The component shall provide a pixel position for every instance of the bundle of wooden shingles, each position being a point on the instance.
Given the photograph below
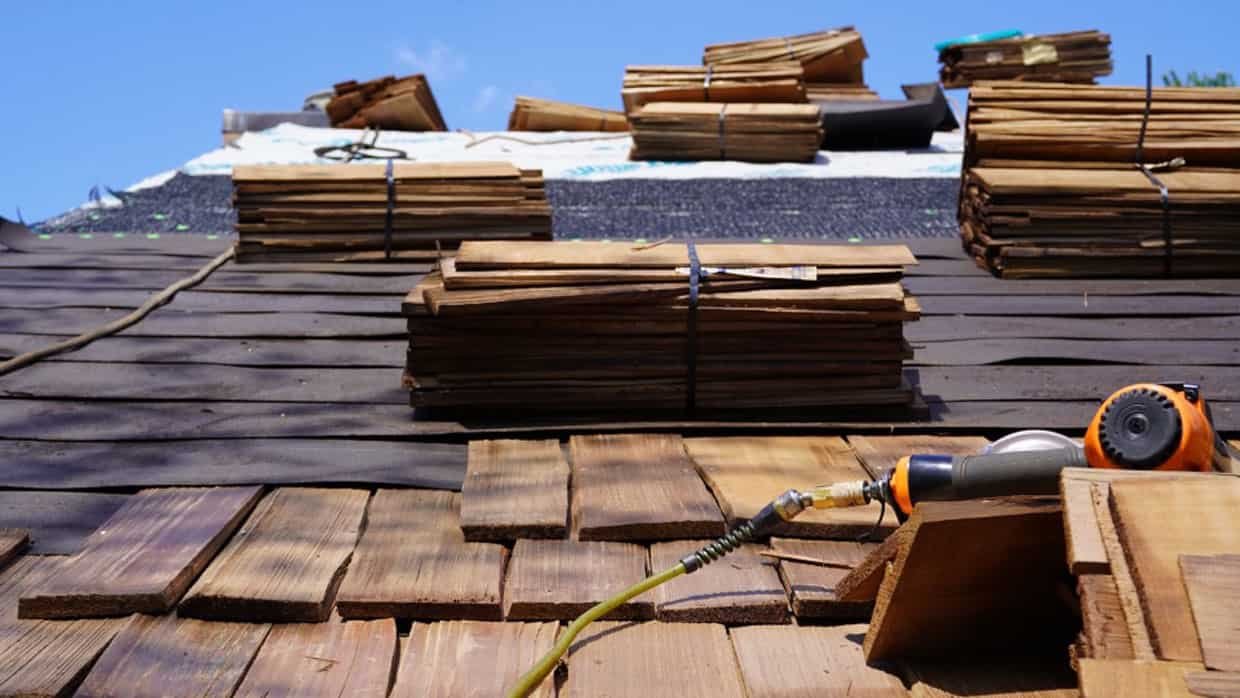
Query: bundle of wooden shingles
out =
(402, 104)
(353, 212)
(608, 326)
(1071, 57)
(747, 102)
(1051, 186)
(533, 114)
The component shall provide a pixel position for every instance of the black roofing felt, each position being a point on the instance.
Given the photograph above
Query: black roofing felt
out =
(868, 208)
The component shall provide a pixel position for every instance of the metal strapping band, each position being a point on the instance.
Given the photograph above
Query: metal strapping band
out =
(710, 71)
(391, 209)
(723, 147)
(695, 274)
(1139, 163)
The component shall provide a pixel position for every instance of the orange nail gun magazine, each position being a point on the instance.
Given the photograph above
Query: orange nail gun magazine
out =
(1147, 426)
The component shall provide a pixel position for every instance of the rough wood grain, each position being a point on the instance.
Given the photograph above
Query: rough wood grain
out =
(560, 579)
(813, 587)
(862, 582)
(1001, 677)
(747, 472)
(143, 558)
(639, 660)
(1213, 684)
(286, 561)
(1159, 520)
(155, 655)
(44, 657)
(12, 542)
(1015, 579)
(878, 454)
(514, 489)
(1104, 625)
(1086, 552)
(471, 659)
(809, 662)
(332, 660)
(741, 589)
(1105, 678)
(416, 535)
(1213, 586)
(639, 487)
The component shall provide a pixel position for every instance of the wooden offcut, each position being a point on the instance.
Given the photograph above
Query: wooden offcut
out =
(1159, 520)
(471, 659)
(561, 579)
(1014, 576)
(1087, 554)
(1104, 625)
(639, 487)
(862, 581)
(143, 558)
(813, 586)
(416, 535)
(334, 659)
(742, 589)
(809, 662)
(514, 489)
(534, 114)
(639, 660)
(1104, 678)
(402, 104)
(156, 656)
(746, 472)
(285, 562)
(1213, 586)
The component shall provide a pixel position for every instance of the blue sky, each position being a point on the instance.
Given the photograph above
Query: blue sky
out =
(110, 92)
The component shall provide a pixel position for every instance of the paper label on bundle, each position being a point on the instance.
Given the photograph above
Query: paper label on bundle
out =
(799, 273)
(993, 57)
(1039, 53)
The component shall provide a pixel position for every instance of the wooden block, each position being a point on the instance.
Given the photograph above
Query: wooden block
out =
(416, 535)
(351, 658)
(639, 660)
(12, 542)
(471, 659)
(561, 579)
(143, 558)
(1159, 520)
(878, 454)
(1104, 626)
(1109, 678)
(1086, 552)
(44, 657)
(812, 586)
(286, 561)
(809, 662)
(1213, 684)
(639, 487)
(515, 489)
(747, 472)
(1005, 677)
(741, 589)
(1125, 587)
(1008, 554)
(161, 655)
(862, 582)
(1213, 586)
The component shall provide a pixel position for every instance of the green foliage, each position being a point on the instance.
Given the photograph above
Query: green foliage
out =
(1195, 79)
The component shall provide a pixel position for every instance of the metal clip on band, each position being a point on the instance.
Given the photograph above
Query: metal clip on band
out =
(1139, 163)
(723, 145)
(695, 278)
(391, 210)
(710, 70)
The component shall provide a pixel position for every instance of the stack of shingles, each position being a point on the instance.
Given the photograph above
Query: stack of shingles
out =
(745, 132)
(533, 114)
(831, 60)
(341, 212)
(1072, 57)
(608, 327)
(780, 81)
(401, 104)
(1050, 187)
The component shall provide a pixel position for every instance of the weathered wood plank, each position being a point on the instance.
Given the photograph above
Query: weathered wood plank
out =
(980, 286)
(805, 662)
(561, 579)
(514, 489)
(1213, 586)
(944, 328)
(973, 352)
(1000, 304)
(880, 453)
(747, 472)
(471, 659)
(275, 353)
(639, 660)
(13, 541)
(1121, 572)
(44, 657)
(205, 301)
(416, 535)
(168, 262)
(1016, 677)
(143, 558)
(333, 660)
(1104, 625)
(225, 280)
(58, 522)
(89, 465)
(639, 487)
(863, 580)
(1159, 520)
(1106, 678)
(153, 653)
(1060, 382)
(742, 589)
(812, 586)
(171, 322)
(286, 562)
(1086, 552)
